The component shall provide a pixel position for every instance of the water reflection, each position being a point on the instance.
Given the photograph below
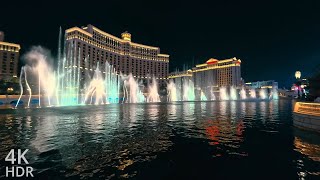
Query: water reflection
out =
(189, 113)
(119, 141)
(46, 128)
(308, 144)
(172, 112)
(152, 112)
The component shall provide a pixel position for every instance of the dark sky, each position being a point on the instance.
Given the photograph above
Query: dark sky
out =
(273, 39)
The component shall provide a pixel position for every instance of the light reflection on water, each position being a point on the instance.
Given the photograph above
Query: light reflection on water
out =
(164, 140)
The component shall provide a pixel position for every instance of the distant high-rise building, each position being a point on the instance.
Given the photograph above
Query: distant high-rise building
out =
(9, 57)
(94, 46)
(221, 73)
(270, 84)
(210, 76)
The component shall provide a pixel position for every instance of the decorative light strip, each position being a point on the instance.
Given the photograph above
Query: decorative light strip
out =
(219, 62)
(115, 51)
(180, 75)
(123, 41)
(215, 67)
(10, 44)
(226, 60)
(79, 30)
(266, 87)
(201, 65)
(110, 36)
(163, 55)
(204, 69)
(307, 108)
(107, 34)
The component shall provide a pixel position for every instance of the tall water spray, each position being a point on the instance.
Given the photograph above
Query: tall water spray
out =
(212, 96)
(253, 94)
(153, 95)
(96, 92)
(275, 94)
(188, 90)
(171, 91)
(263, 93)
(203, 96)
(70, 83)
(38, 68)
(112, 84)
(243, 94)
(233, 93)
(132, 92)
(223, 93)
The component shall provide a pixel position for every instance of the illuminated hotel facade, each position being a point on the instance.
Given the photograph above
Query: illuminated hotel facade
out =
(9, 57)
(270, 84)
(207, 78)
(93, 46)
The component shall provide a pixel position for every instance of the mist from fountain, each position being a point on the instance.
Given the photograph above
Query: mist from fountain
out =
(213, 97)
(63, 88)
(263, 93)
(37, 66)
(223, 93)
(71, 83)
(153, 95)
(275, 94)
(132, 91)
(112, 84)
(96, 89)
(188, 90)
(68, 77)
(203, 97)
(233, 93)
(171, 91)
(243, 94)
(252, 93)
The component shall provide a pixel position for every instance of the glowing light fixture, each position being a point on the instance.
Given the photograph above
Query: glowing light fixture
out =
(298, 74)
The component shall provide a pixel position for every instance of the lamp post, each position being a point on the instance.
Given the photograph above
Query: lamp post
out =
(297, 75)
(298, 82)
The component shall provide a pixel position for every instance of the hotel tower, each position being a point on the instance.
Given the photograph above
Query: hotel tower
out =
(210, 76)
(94, 46)
(9, 57)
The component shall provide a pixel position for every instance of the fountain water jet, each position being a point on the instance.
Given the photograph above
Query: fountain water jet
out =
(132, 91)
(243, 94)
(188, 90)
(233, 93)
(172, 91)
(263, 94)
(153, 95)
(223, 93)
(253, 93)
(96, 88)
(213, 97)
(275, 93)
(64, 88)
(203, 96)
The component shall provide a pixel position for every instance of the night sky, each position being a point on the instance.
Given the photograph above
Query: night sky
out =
(273, 39)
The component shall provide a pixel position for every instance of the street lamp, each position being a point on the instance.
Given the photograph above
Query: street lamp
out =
(298, 74)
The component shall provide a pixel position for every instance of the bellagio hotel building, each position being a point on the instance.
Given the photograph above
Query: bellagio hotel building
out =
(95, 45)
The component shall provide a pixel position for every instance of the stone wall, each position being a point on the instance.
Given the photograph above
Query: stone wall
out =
(306, 121)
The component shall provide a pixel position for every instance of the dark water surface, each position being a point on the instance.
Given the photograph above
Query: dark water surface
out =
(191, 140)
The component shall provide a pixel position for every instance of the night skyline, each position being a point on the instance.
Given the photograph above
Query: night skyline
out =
(273, 40)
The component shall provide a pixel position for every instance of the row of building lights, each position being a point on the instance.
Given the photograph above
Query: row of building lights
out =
(114, 73)
(116, 51)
